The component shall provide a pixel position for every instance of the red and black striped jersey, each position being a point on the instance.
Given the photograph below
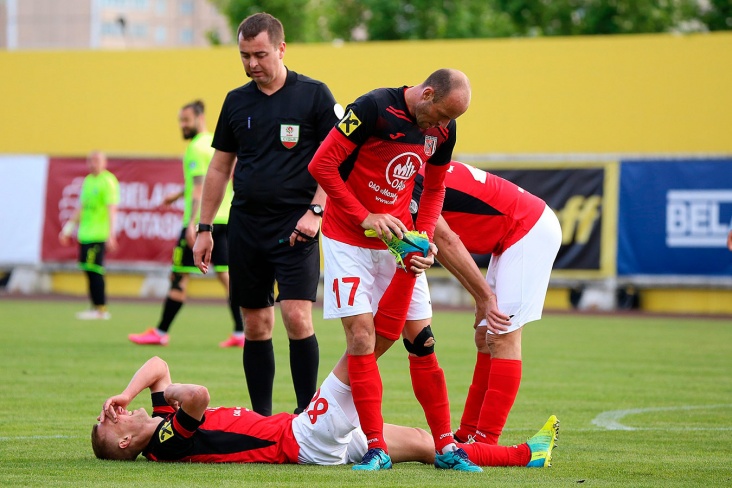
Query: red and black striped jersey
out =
(224, 435)
(488, 212)
(368, 163)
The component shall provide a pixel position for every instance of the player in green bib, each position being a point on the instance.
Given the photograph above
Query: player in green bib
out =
(95, 216)
(195, 164)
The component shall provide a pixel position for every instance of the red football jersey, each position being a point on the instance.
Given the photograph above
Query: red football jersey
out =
(224, 435)
(369, 161)
(488, 212)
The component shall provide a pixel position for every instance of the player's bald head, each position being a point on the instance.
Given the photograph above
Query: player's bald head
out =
(445, 82)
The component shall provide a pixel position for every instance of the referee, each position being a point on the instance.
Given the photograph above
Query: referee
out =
(267, 132)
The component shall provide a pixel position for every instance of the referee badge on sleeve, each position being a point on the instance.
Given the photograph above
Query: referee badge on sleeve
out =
(289, 135)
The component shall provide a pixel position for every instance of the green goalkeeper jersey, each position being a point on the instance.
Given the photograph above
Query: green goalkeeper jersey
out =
(195, 163)
(98, 192)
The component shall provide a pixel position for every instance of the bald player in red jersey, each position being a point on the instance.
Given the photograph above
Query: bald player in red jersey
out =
(483, 213)
(367, 166)
(184, 428)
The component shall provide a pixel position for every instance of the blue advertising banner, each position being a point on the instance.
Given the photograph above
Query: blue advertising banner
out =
(674, 217)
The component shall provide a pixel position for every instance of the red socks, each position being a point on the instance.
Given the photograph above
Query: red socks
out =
(367, 391)
(394, 305)
(488, 455)
(476, 394)
(503, 384)
(428, 382)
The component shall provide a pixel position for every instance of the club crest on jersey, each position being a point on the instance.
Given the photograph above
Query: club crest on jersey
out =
(349, 123)
(413, 207)
(430, 144)
(166, 431)
(401, 169)
(289, 135)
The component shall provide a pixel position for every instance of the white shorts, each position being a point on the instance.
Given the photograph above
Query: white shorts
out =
(328, 430)
(520, 276)
(356, 278)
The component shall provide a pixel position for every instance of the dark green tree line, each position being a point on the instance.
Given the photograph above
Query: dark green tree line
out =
(326, 20)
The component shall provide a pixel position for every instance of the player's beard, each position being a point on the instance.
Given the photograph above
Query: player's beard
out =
(189, 134)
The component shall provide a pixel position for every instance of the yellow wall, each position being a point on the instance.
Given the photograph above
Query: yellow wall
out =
(645, 94)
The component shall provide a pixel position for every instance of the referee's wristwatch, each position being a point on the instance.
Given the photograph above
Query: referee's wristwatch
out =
(204, 228)
(316, 209)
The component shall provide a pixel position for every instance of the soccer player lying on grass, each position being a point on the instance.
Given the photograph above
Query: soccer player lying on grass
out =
(184, 428)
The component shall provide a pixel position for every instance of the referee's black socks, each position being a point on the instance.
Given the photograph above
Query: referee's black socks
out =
(259, 370)
(304, 361)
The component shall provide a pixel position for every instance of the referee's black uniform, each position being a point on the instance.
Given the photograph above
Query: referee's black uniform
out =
(274, 137)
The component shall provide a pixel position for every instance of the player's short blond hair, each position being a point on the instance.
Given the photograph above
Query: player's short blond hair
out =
(105, 447)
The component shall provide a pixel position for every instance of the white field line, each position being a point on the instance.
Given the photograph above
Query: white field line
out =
(37, 437)
(611, 420)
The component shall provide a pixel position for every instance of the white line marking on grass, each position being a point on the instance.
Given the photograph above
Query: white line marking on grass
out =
(38, 437)
(610, 420)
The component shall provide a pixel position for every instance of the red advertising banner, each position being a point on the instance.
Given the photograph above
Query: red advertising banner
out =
(146, 230)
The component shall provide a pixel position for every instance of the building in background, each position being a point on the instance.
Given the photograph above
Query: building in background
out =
(110, 24)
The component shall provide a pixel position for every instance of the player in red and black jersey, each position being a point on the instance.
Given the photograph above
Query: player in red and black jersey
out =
(184, 428)
(367, 166)
(482, 214)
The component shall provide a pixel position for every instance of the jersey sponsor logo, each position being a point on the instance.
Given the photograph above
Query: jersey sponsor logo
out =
(391, 195)
(430, 144)
(402, 168)
(396, 136)
(166, 431)
(289, 135)
(349, 123)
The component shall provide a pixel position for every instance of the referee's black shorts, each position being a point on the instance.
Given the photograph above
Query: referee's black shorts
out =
(257, 259)
(183, 255)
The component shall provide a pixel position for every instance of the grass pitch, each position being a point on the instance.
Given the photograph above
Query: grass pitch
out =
(643, 401)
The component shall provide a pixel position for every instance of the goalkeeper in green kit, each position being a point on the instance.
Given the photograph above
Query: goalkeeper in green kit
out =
(95, 218)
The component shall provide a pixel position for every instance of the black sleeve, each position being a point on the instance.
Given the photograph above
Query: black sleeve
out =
(175, 438)
(360, 119)
(325, 109)
(187, 422)
(416, 196)
(224, 138)
(158, 399)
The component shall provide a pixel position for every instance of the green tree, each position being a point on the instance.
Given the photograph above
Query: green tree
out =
(418, 19)
(325, 20)
(294, 15)
(717, 15)
(588, 17)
